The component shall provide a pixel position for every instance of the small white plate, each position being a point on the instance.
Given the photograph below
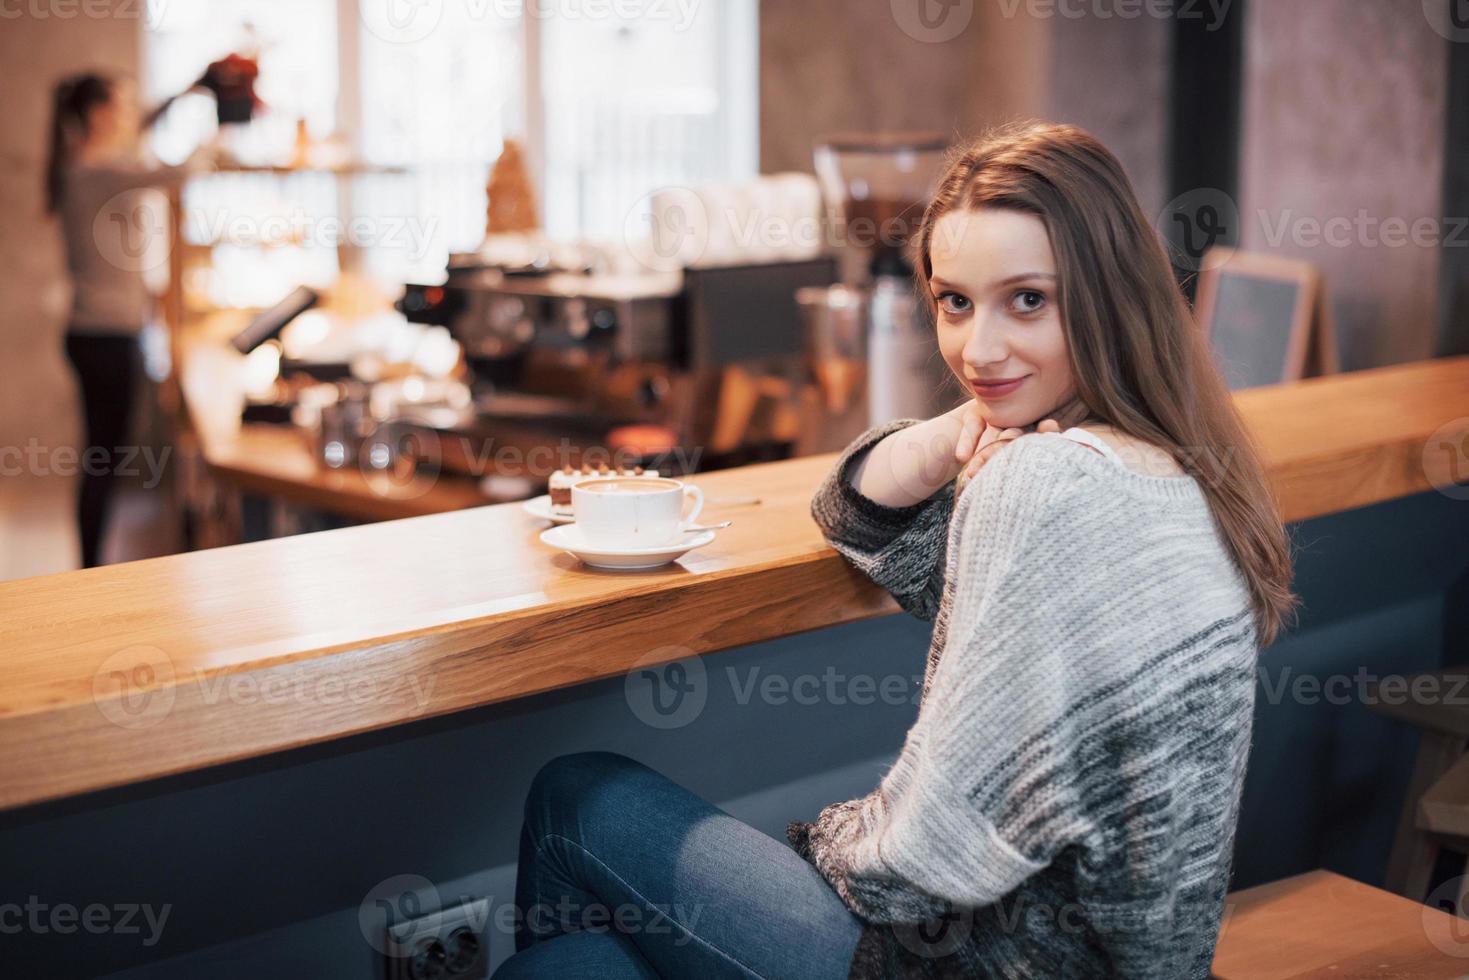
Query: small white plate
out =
(568, 537)
(541, 507)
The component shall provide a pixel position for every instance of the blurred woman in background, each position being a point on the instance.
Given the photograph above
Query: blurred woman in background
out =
(92, 177)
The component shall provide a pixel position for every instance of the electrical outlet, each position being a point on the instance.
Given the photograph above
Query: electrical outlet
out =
(450, 944)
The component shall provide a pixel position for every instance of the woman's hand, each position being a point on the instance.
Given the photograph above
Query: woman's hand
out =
(989, 442)
(979, 441)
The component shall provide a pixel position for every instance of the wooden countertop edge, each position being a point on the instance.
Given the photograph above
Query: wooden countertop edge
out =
(861, 592)
(235, 715)
(1315, 486)
(355, 498)
(365, 507)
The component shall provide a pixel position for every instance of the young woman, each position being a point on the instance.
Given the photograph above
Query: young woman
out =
(93, 169)
(1093, 539)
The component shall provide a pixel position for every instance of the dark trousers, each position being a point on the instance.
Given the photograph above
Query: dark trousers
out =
(106, 368)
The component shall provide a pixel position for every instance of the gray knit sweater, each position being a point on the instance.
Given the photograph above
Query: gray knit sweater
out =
(1065, 804)
(113, 236)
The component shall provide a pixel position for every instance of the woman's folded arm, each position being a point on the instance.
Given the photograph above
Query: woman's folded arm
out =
(901, 548)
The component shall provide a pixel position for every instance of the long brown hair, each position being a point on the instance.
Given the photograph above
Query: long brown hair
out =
(72, 105)
(1140, 361)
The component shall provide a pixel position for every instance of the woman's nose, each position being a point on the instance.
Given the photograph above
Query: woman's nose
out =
(985, 345)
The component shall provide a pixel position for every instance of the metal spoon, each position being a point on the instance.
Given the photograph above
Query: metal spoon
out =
(708, 527)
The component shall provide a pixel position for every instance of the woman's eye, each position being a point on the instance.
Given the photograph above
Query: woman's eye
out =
(953, 303)
(1027, 301)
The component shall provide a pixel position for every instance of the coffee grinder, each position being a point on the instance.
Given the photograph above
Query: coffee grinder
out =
(875, 187)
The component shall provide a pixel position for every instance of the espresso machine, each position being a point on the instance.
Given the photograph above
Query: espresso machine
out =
(687, 370)
(873, 354)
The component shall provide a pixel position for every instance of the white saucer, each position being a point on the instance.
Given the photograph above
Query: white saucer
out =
(541, 507)
(568, 537)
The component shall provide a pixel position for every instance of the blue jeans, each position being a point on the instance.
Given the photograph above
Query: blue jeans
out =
(624, 873)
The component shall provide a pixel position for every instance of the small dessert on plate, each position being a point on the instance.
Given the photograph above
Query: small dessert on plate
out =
(561, 482)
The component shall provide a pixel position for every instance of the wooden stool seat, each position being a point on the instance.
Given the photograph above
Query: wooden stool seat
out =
(1444, 808)
(1323, 925)
(1437, 703)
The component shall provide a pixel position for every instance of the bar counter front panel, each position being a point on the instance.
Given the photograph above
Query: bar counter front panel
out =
(348, 707)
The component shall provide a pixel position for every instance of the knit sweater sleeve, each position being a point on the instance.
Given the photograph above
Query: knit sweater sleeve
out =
(977, 801)
(901, 549)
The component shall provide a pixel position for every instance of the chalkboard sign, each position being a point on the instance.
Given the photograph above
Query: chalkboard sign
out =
(1266, 318)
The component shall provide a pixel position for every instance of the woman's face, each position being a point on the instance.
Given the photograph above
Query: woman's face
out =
(994, 282)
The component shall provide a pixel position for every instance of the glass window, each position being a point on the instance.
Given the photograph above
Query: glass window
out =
(439, 105)
(611, 101)
(295, 42)
(637, 103)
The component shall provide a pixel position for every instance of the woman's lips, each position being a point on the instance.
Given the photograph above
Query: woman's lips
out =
(996, 390)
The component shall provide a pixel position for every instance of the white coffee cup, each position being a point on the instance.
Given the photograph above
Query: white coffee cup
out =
(633, 512)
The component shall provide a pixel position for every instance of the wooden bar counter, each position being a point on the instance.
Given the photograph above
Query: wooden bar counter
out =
(126, 673)
(273, 461)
